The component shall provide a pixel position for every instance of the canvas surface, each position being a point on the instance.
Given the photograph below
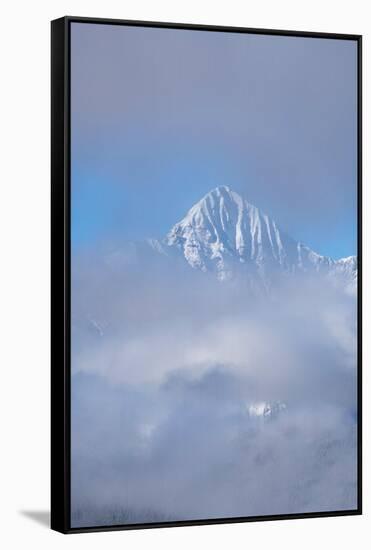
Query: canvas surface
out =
(214, 275)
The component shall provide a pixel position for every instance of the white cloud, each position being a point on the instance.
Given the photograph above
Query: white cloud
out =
(162, 393)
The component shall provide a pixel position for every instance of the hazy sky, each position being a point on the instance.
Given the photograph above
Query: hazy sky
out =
(161, 116)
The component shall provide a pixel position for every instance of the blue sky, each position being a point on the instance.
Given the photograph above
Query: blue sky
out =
(161, 116)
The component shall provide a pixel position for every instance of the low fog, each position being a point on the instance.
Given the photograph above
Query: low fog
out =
(168, 367)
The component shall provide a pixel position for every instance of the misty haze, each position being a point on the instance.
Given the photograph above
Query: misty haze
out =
(214, 373)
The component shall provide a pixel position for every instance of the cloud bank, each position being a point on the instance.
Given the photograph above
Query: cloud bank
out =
(167, 369)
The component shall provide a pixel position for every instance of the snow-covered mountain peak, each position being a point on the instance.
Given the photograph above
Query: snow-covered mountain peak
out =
(217, 203)
(221, 195)
(224, 233)
(224, 228)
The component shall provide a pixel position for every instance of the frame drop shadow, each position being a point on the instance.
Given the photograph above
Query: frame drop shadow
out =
(42, 517)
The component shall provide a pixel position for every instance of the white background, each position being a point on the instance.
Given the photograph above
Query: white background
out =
(24, 273)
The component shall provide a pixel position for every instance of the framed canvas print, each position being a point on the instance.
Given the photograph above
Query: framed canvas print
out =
(206, 274)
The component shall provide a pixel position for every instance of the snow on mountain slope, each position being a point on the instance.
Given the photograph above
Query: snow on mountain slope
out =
(222, 228)
(345, 272)
(265, 410)
(224, 233)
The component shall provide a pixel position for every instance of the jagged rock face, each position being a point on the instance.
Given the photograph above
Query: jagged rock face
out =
(223, 229)
(224, 233)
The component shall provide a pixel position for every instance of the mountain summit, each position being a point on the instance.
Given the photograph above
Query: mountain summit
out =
(224, 233)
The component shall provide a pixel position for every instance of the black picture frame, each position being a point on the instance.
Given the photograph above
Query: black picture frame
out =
(60, 271)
